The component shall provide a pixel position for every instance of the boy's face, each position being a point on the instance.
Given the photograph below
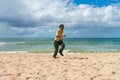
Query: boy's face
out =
(62, 27)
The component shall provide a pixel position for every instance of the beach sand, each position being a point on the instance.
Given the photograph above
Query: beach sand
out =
(37, 66)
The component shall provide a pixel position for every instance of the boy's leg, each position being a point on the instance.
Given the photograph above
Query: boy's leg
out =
(56, 46)
(62, 47)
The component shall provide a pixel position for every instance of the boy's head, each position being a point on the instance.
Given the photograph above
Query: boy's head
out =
(61, 26)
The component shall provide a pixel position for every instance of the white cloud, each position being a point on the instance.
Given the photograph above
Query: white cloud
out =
(39, 12)
(51, 30)
(75, 32)
(29, 15)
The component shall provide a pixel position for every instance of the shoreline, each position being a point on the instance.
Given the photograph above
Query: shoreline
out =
(65, 52)
(12, 52)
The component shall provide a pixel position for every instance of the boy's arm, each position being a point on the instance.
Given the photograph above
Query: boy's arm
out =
(60, 36)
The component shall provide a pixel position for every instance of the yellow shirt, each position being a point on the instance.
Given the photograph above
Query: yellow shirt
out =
(59, 33)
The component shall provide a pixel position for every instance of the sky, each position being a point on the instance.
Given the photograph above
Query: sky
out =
(41, 18)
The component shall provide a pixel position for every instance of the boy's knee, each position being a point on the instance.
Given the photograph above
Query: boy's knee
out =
(63, 45)
(56, 50)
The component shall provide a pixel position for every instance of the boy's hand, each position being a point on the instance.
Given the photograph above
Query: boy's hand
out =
(64, 35)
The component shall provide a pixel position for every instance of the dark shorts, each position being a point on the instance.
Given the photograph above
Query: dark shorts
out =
(58, 42)
(56, 45)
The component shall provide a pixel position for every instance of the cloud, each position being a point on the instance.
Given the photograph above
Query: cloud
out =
(28, 17)
(29, 13)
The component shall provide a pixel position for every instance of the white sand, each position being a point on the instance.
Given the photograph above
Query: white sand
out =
(32, 66)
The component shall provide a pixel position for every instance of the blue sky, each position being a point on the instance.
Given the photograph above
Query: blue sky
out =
(82, 18)
(99, 3)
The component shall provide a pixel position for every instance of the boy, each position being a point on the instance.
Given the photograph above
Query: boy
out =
(58, 41)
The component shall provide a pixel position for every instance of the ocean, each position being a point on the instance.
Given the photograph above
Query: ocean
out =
(46, 45)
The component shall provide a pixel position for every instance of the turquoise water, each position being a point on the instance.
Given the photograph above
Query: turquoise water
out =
(72, 44)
